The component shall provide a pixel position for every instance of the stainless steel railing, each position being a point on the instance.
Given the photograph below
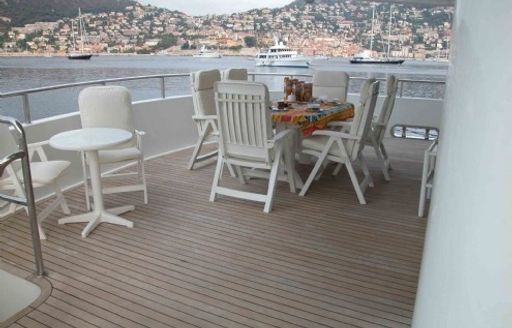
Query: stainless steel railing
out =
(16, 129)
(24, 94)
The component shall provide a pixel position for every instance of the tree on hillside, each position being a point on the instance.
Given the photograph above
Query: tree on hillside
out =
(250, 41)
(168, 40)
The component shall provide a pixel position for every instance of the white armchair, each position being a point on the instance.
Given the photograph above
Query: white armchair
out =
(247, 141)
(427, 177)
(330, 84)
(45, 173)
(345, 148)
(379, 126)
(111, 107)
(205, 116)
(237, 74)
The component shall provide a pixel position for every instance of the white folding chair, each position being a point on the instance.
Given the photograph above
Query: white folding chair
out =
(427, 176)
(111, 107)
(247, 141)
(330, 84)
(45, 173)
(379, 126)
(237, 74)
(205, 116)
(345, 148)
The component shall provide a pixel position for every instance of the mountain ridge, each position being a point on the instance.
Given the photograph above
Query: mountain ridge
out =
(21, 12)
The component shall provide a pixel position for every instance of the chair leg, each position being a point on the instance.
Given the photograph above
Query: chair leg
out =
(272, 182)
(290, 170)
(144, 182)
(216, 178)
(386, 157)
(196, 151)
(337, 169)
(240, 174)
(63, 203)
(322, 170)
(355, 183)
(367, 176)
(313, 173)
(231, 170)
(381, 159)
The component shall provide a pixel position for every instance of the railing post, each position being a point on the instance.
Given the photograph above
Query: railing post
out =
(26, 109)
(401, 89)
(162, 87)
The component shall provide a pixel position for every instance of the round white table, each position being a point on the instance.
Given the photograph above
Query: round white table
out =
(90, 141)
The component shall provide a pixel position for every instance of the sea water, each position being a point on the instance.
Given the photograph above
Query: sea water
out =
(20, 73)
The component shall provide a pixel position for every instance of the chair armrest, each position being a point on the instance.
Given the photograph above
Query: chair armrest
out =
(339, 124)
(281, 136)
(6, 161)
(335, 134)
(37, 144)
(204, 118)
(379, 124)
(138, 136)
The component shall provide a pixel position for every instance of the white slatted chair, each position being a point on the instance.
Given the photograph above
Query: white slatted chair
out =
(235, 74)
(247, 141)
(427, 177)
(111, 107)
(330, 84)
(379, 126)
(205, 115)
(345, 148)
(45, 173)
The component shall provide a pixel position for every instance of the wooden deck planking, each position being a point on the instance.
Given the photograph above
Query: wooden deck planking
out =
(317, 261)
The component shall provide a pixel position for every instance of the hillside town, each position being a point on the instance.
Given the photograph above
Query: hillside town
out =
(325, 28)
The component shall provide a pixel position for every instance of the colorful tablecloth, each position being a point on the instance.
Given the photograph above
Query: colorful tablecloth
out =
(308, 121)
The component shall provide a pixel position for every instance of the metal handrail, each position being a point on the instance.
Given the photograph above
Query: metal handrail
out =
(26, 103)
(28, 200)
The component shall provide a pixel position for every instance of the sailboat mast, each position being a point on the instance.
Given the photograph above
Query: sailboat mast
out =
(373, 21)
(81, 27)
(389, 28)
(73, 34)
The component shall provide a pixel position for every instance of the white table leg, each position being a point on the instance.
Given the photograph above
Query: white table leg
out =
(99, 213)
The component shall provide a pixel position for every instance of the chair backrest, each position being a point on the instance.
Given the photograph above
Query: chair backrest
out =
(387, 108)
(202, 91)
(362, 122)
(107, 107)
(330, 84)
(238, 74)
(245, 122)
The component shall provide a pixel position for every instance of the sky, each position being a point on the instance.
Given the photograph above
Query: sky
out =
(202, 7)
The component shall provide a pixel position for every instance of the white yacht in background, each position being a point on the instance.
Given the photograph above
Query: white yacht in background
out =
(280, 55)
(207, 53)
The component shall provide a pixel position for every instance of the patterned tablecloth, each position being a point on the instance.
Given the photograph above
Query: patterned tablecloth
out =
(308, 120)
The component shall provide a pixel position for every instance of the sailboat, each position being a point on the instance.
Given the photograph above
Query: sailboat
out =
(81, 32)
(366, 57)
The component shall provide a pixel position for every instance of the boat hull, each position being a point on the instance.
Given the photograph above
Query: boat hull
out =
(376, 61)
(80, 57)
(284, 63)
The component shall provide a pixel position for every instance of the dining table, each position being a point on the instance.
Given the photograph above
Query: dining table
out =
(307, 117)
(91, 141)
(303, 118)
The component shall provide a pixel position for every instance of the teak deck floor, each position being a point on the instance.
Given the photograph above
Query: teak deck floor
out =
(317, 261)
